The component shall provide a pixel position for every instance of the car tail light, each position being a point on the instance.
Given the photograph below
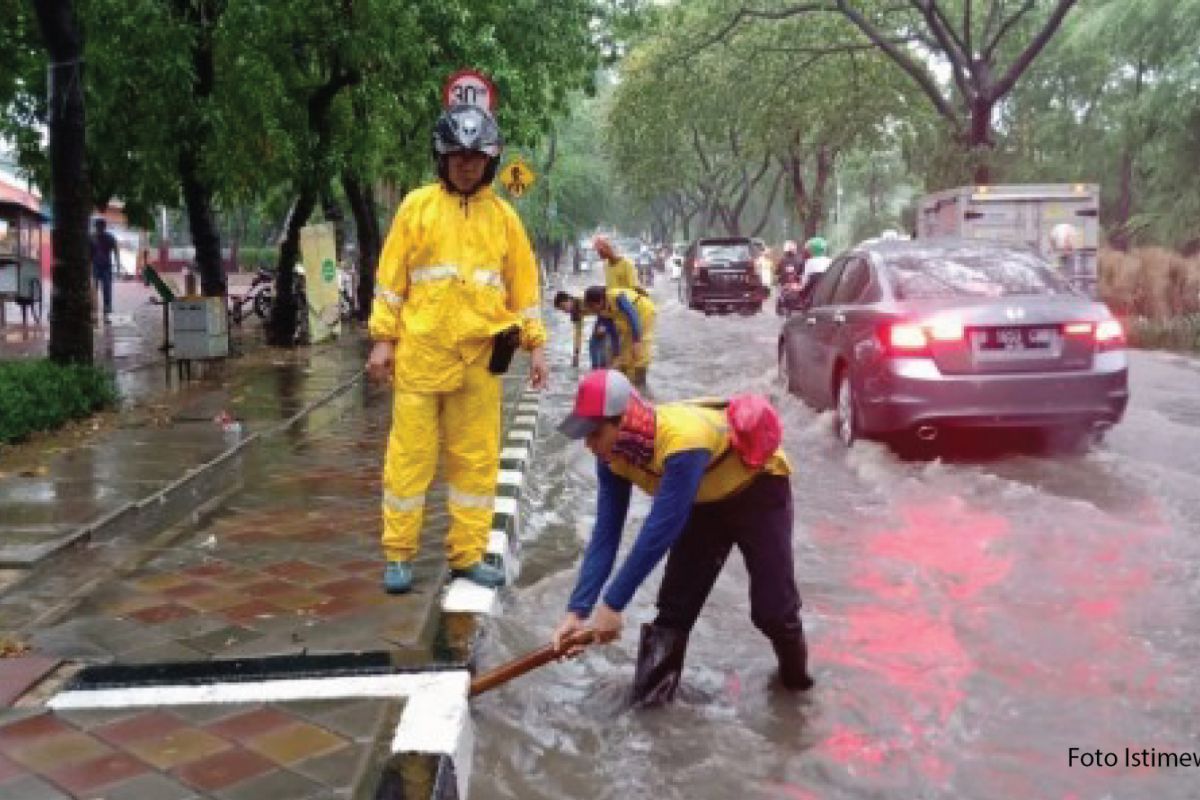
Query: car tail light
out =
(913, 338)
(1110, 335)
(906, 337)
(1078, 329)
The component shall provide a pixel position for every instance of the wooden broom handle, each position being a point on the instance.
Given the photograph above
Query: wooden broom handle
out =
(528, 662)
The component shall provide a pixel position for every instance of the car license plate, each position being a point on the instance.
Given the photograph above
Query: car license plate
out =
(1013, 340)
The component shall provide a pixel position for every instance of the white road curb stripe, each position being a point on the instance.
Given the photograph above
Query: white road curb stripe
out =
(515, 453)
(272, 691)
(506, 505)
(464, 596)
(521, 435)
(510, 477)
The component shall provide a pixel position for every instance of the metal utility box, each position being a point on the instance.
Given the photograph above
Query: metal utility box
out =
(198, 328)
(1059, 221)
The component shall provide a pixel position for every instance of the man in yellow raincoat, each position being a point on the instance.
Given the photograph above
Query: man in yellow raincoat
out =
(457, 293)
(618, 271)
(632, 313)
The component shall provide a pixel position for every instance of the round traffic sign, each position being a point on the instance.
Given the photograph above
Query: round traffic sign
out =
(470, 87)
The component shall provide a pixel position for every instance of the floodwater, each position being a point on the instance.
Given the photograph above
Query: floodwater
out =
(971, 619)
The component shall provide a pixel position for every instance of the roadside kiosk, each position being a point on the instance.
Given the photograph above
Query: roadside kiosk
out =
(20, 260)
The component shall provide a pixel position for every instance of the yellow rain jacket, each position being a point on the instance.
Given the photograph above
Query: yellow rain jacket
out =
(620, 274)
(682, 426)
(453, 273)
(646, 312)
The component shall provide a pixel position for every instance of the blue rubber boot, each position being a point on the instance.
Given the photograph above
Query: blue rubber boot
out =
(482, 574)
(397, 577)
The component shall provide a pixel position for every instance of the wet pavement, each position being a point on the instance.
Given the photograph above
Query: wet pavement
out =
(311, 749)
(972, 618)
(272, 559)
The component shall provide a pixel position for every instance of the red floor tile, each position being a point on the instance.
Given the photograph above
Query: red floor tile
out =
(32, 728)
(187, 590)
(223, 769)
(248, 612)
(20, 673)
(250, 723)
(144, 726)
(268, 587)
(163, 613)
(207, 570)
(86, 778)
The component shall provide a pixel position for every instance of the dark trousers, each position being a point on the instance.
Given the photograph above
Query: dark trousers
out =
(759, 521)
(104, 280)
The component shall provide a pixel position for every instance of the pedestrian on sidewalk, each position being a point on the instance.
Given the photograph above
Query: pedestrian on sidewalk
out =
(457, 294)
(599, 347)
(105, 257)
(632, 313)
(713, 486)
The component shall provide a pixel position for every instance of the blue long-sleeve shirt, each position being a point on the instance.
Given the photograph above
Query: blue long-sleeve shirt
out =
(635, 323)
(672, 504)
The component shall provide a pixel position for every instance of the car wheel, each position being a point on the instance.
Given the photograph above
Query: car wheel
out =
(845, 414)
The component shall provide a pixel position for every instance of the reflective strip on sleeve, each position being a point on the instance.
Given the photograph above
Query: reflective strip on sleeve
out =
(460, 498)
(437, 272)
(389, 297)
(394, 503)
(533, 312)
(489, 278)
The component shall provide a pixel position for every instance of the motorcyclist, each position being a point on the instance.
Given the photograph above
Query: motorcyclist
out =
(457, 293)
(816, 264)
(790, 268)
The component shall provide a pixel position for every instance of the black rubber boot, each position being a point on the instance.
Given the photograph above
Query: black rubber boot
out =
(792, 653)
(659, 665)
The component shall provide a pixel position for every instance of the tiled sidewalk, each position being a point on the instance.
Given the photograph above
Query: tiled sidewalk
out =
(311, 749)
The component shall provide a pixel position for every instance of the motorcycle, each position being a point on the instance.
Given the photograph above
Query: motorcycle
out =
(791, 295)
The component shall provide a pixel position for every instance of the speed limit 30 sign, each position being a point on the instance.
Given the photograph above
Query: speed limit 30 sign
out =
(472, 88)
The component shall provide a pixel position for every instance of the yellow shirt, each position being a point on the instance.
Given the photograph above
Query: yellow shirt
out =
(682, 426)
(620, 274)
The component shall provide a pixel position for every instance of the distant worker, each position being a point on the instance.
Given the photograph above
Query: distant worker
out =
(599, 347)
(633, 313)
(618, 270)
(718, 478)
(457, 295)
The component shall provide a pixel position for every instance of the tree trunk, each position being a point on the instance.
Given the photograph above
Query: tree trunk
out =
(197, 197)
(979, 143)
(816, 217)
(196, 133)
(70, 301)
(281, 328)
(361, 198)
(1120, 238)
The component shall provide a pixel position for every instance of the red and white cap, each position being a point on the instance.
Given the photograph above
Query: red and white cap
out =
(602, 394)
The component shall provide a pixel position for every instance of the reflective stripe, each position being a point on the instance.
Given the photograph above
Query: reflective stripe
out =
(533, 312)
(434, 273)
(388, 296)
(471, 500)
(394, 503)
(489, 278)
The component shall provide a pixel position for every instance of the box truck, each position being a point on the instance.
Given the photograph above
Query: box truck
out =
(1058, 221)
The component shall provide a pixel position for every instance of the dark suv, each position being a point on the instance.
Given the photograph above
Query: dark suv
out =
(719, 275)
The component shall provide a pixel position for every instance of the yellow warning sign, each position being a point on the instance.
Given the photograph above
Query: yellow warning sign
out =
(517, 177)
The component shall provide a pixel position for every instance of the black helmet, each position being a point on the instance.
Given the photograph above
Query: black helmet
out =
(461, 129)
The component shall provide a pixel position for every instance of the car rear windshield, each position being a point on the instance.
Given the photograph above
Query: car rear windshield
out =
(932, 275)
(726, 251)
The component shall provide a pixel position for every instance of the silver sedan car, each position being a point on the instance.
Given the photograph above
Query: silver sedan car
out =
(915, 337)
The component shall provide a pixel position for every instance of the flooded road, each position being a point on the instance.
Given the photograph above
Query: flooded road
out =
(970, 619)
